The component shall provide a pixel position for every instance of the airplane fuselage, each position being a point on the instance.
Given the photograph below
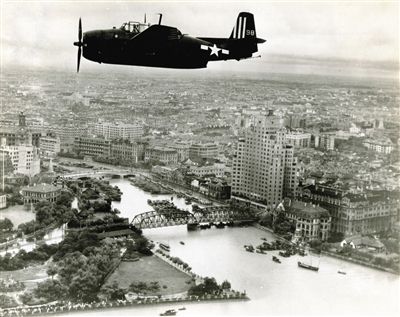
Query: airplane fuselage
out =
(115, 46)
(159, 45)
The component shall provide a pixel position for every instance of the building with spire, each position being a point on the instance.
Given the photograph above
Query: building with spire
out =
(20, 134)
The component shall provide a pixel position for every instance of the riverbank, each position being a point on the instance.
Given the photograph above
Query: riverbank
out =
(174, 279)
(187, 191)
(356, 261)
(69, 307)
(266, 229)
(334, 254)
(150, 186)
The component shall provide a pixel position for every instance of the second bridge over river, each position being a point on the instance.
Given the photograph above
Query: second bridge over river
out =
(166, 214)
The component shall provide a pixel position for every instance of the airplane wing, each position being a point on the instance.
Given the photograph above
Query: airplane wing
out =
(157, 34)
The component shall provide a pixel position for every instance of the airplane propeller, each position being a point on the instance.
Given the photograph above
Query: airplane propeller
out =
(79, 44)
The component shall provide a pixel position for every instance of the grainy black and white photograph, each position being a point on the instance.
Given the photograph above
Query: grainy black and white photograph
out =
(199, 158)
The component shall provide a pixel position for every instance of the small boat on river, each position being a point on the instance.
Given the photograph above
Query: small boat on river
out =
(285, 254)
(165, 247)
(249, 248)
(275, 259)
(169, 312)
(301, 252)
(342, 272)
(307, 266)
(181, 242)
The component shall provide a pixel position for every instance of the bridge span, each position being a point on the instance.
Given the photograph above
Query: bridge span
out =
(97, 174)
(172, 216)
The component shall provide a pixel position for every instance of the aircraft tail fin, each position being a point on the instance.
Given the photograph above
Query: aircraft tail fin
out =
(245, 28)
(243, 40)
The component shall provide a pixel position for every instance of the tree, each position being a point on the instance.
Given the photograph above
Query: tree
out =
(226, 285)
(154, 286)
(70, 265)
(138, 287)
(267, 220)
(64, 199)
(44, 213)
(209, 286)
(142, 245)
(51, 271)
(316, 244)
(114, 292)
(6, 225)
(282, 225)
(29, 227)
(335, 237)
(85, 284)
(51, 290)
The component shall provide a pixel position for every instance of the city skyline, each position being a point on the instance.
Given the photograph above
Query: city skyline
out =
(342, 196)
(360, 38)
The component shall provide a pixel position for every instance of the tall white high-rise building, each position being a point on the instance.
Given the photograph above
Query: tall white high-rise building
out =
(264, 168)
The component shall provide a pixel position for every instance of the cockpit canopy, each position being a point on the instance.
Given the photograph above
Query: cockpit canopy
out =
(134, 27)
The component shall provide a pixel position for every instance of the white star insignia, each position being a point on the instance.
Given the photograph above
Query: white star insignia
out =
(214, 50)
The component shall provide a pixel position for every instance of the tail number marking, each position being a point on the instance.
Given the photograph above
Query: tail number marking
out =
(250, 32)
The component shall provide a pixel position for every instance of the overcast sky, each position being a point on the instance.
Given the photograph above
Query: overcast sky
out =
(302, 36)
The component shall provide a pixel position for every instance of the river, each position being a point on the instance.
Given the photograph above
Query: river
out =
(274, 289)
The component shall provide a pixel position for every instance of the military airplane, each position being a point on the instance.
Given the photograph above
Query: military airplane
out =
(158, 45)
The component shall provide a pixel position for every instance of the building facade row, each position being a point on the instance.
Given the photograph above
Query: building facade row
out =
(165, 155)
(92, 146)
(125, 150)
(298, 139)
(114, 131)
(216, 169)
(384, 146)
(367, 213)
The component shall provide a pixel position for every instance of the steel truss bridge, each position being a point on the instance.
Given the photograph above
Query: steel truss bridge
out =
(174, 217)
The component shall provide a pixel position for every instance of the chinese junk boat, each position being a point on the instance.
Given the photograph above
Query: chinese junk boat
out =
(307, 266)
(310, 265)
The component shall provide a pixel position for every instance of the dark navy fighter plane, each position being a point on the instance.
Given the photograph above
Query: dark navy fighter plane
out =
(157, 45)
